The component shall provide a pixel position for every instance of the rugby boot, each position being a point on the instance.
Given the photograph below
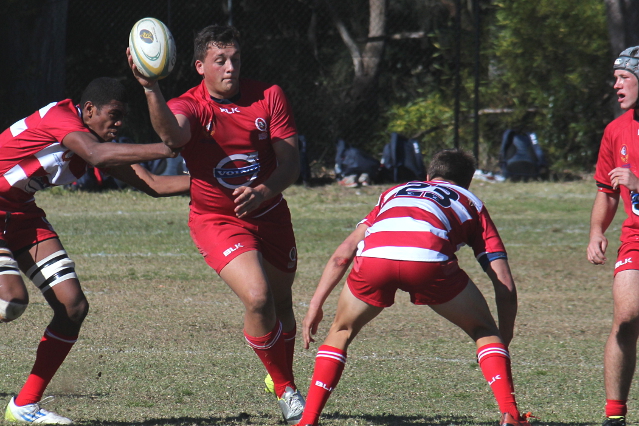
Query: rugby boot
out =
(32, 413)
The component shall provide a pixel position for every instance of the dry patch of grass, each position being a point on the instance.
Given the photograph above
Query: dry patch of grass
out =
(163, 342)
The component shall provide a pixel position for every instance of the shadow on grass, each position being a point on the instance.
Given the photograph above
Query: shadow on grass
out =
(381, 420)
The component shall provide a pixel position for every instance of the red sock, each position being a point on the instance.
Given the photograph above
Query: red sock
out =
(329, 365)
(272, 352)
(494, 362)
(616, 407)
(289, 342)
(52, 350)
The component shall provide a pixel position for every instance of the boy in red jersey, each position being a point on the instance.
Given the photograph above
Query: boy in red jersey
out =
(53, 147)
(240, 145)
(616, 175)
(408, 242)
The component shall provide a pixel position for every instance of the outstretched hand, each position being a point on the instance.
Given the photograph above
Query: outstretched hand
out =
(309, 326)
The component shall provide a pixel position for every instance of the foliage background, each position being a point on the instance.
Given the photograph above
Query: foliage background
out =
(545, 66)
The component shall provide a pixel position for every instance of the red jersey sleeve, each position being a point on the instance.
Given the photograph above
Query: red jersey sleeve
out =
(486, 237)
(187, 107)
(605, 163)
(282, 123)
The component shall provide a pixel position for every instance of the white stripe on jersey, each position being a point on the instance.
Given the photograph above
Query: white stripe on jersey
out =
(423, 204)
(472, 197)
(43, 111)
(406, 224)
(415, 254)
(15, 174)
(21, 125)
(51, 160)
(18, 127)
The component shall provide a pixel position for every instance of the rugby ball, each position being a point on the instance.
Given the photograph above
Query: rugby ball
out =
(152, 48)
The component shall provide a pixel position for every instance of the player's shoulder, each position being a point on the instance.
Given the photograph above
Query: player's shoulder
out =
(620, 123)
(56, 113)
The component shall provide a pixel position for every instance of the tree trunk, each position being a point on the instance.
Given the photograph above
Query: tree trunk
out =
(33, 35)
(623, 19)
(362, 93)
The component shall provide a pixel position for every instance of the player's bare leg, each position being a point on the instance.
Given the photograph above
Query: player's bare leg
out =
(246, 277)
(263, 330)
(281, 284)
(621, 347)
(469, 311)
(70, 307)
(352, 314)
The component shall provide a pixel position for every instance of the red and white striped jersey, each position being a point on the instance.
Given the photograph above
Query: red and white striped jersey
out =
(32, 156)
(428, 222)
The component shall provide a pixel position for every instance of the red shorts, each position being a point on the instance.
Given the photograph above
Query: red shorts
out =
(221, 238)
(20, 230)
(375, 281)
(627, 257)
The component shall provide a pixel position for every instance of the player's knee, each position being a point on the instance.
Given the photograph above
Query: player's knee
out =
(16, 303)
(78, 311)
(343, 332)
(258, 302)
(628, 332)
(12, 310)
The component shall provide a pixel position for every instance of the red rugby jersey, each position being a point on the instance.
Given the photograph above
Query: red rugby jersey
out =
(32, 156)
(428, 222)
(620, 148)
(231, 142)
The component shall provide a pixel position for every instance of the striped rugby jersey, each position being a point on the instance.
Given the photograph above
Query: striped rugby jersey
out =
(32, 156)
(428, 222)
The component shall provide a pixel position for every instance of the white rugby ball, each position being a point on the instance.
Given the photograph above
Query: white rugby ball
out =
(152, 48)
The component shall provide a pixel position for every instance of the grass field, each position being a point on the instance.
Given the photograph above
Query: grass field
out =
(162, 344)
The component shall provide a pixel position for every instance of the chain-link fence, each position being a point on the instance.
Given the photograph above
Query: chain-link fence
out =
(297, 44)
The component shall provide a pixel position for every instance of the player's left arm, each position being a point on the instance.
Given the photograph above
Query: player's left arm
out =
(149, 183)
(249, 198)
(333, 273)
(499, 273)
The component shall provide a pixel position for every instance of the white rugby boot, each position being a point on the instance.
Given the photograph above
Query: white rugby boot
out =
(32, 413)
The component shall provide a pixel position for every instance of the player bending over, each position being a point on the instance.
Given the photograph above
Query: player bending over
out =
(408, 242)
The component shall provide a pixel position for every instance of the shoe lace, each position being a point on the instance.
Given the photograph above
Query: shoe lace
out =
(528, 415)
(46, 400)
(294, 402)
(37, 406)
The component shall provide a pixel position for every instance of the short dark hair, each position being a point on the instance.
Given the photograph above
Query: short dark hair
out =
(219, 35)
(453, 164)
(103, 90)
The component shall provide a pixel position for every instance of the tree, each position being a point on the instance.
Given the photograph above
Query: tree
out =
(623, 18)
(33, 51)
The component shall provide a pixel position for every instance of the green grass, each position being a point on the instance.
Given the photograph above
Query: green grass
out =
(163, 344)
